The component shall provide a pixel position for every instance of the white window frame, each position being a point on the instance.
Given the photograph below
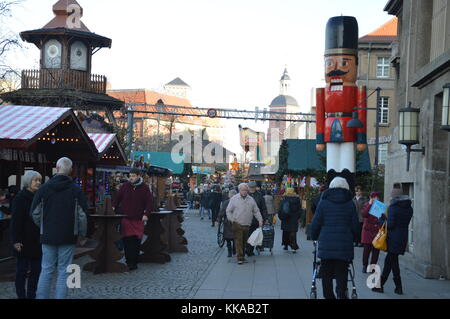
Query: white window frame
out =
(384, 111)
(384, 66)
(382, 153)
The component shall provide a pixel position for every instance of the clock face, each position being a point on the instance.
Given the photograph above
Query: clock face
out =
(78, 56)
(52, 54)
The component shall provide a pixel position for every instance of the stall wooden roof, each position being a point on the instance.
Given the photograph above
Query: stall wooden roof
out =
(105, 143)
(30, 128)
(26, 122)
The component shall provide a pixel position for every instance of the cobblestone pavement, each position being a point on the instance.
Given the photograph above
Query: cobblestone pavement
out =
(178, 279)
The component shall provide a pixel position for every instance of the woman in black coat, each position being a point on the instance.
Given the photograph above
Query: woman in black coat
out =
(228, 234)
(215, 201)
(399, 216)
(289, 214)
(25, 238)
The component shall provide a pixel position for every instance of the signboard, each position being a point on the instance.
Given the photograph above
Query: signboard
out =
(381, 140)
(378, 208)
(203, 170)
(212, 113)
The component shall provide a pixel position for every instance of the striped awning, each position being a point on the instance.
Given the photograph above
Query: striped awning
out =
(102, 141)
(25, 122)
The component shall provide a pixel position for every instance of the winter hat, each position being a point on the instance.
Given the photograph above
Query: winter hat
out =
(374, 194)
(396, 192)
(290, 191)
(252, 184)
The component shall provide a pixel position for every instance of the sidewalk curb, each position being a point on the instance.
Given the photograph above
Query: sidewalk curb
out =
(200, 282)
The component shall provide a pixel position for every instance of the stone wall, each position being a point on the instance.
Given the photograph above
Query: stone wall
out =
(421, 80)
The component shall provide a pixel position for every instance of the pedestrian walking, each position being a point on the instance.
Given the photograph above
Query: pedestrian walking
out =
(240, 211)
(335, 227)
(25, 238)
(228, 226)
(190, 199)
(360, 201)
(205, 198)
(371, 226)
(289, 214)
(268, 198)
(59, 197)
(215, 201)
(134, 200)
(399, 216)
(261, 203)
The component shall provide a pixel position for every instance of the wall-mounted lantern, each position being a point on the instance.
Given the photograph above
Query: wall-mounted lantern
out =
(409, 131)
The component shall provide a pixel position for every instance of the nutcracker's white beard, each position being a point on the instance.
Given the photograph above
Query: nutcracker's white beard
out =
(341, 156)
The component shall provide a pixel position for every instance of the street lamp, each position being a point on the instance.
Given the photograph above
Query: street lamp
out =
(409, 131)
(446, 108)
(356, 123)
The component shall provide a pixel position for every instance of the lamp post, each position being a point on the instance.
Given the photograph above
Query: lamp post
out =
(130, 130)
(356, 123)
(409, 131)
(446, 108)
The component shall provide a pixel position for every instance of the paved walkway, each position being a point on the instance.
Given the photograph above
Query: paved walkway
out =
(178, 279)
(287, 275)
(206, 273)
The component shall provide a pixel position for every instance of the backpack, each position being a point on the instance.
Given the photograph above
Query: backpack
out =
(286, 207)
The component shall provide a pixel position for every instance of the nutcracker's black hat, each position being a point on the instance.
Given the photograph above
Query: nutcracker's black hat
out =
(341, 36)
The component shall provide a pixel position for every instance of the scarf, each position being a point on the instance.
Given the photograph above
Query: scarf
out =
(139, 182)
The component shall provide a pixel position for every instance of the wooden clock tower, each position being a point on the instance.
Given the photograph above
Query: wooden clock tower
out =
(65, 78)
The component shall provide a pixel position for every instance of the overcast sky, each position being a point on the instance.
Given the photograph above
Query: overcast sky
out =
(231, 52)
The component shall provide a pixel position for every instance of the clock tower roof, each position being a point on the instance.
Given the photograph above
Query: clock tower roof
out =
(66, 23)
(68, 14)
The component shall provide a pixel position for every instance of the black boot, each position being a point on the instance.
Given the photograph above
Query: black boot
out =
(230, 252)
(398, 286)
(380, 290)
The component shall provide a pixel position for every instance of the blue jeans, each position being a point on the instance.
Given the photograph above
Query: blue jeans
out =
(202, 212)
(55, 257)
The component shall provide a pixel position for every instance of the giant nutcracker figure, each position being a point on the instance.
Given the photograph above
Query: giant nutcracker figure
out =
(341, 100)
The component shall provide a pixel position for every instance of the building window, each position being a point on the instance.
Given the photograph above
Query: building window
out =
(383, 67)
(382, 153)
(383, 116)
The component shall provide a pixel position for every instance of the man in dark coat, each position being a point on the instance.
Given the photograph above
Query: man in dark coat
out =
(360, 201)
(25, 238)
(205, 200)
(215, 200)
(335, 225)
(400, 212)
(58, 230)
(136, 202)
(261, 203)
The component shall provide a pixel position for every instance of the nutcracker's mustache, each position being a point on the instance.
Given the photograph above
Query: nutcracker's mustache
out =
(336, 73)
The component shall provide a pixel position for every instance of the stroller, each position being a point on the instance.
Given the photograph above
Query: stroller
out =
(317, 275)
(268, 239)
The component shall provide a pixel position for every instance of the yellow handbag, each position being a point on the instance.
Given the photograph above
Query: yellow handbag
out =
(380, 240)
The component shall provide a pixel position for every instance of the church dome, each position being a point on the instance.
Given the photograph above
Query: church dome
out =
(284, 100)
